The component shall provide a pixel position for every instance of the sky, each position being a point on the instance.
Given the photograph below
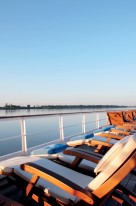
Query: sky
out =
(57, 52)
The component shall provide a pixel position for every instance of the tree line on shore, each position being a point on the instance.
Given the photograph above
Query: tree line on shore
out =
(11, 106)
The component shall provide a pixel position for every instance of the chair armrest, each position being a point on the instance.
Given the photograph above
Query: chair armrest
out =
(124, 128)
(82, 154)
(130, 124)
(89, 152)
(57, 180)
(93, 142)
(111, 136)
(120, 132)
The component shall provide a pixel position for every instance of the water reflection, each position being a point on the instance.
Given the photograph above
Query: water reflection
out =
(43, 111)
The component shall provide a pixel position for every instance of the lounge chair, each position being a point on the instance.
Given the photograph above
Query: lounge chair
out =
(126, 119)
(134, 114)
(99, 144)
(128, 116)
(86, 159)
(98, 138)
(63, 186)
(7, 166)
(115, 118)
(102, 140)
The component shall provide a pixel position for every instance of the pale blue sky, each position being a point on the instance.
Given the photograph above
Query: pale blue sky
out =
(68, 52)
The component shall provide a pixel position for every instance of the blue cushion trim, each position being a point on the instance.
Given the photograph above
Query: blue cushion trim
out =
(82, 136)
(104, 129)
(50, 149)
(107, 128)
(89, 135)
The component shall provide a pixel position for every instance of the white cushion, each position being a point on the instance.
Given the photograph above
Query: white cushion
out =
(7, 166)
(77, 142)
(85, 164)
(127, 149)
(48, 156)
(50, 188)
(113, 151)
(104, 139)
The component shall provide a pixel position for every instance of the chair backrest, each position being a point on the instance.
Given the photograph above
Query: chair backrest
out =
(128, 116)
(115, 118)
(117, 162)
(134, 114)
(113, 151)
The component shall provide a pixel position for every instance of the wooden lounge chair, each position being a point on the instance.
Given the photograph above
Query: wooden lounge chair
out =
(115, 118)
(127, 128)
(134, 114)
(106, 141)
(124, 118)
(128, 116)
(59, 185)
(76, 157)
(102, 141)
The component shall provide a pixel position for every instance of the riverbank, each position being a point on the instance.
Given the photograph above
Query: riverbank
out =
(14, 107)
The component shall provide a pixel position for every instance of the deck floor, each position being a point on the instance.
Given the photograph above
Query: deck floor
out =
(130, 183)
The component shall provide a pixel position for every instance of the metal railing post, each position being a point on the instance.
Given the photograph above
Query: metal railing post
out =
(23, 136)
(97, 120)
(83, 122)
(61, 128)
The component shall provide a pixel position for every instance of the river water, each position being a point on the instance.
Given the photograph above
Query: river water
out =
(41, 130)
(42, 111)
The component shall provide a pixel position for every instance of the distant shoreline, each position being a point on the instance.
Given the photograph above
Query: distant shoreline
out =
(17, 107)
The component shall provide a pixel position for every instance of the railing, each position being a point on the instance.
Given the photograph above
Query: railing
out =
(62, 137)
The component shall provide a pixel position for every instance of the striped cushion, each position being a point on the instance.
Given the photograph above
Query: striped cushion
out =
(114, 151)
(127, 149)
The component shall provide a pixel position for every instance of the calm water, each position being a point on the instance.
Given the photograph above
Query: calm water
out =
(41, 111)
(41, 130)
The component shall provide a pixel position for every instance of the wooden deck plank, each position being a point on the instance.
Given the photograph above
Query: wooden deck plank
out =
(4, 201)
(131, 184)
